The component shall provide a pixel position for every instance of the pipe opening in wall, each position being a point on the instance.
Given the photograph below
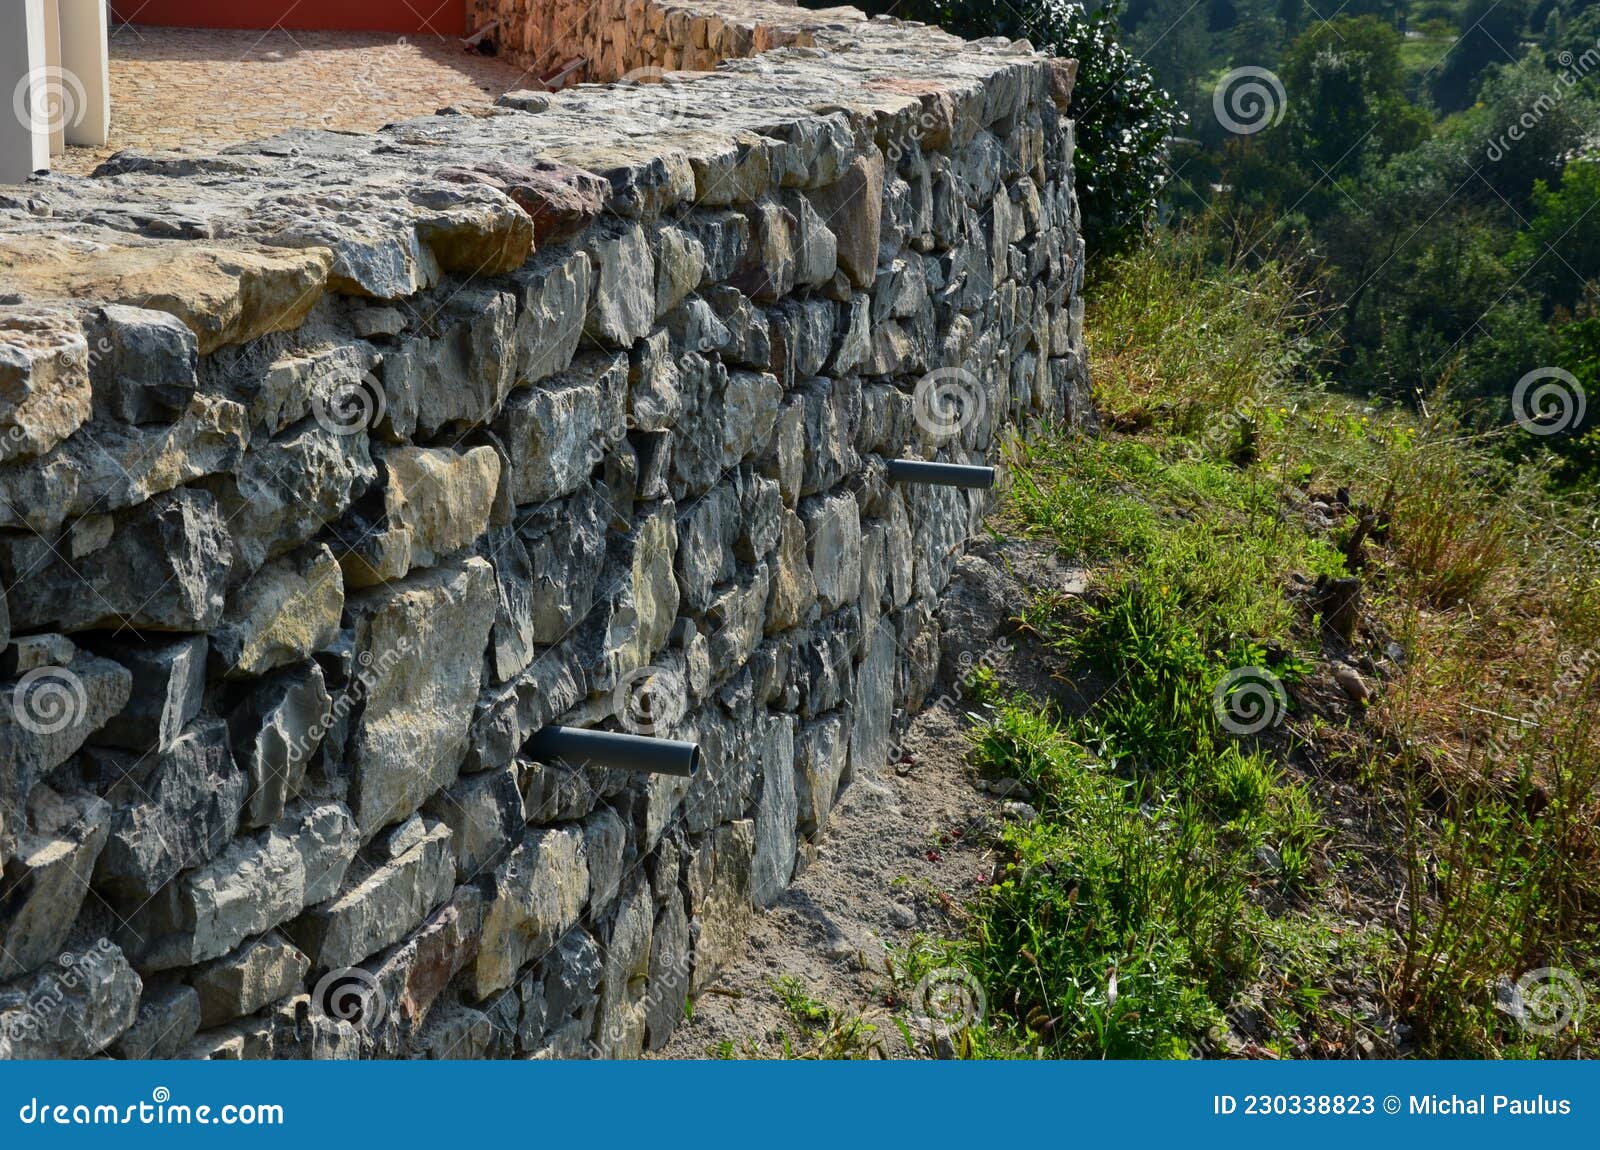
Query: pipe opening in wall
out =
(941, 474)
(578, 746)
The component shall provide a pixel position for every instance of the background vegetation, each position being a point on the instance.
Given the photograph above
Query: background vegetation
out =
(1310, 308)
(1435, 162)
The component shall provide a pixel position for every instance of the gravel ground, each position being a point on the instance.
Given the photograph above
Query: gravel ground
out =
(902, 851)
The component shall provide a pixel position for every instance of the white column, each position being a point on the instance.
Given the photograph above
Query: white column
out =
(52, 63)
(85, 54)
(24, 136)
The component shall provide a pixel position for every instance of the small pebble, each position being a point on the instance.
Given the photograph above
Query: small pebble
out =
(1351, 682)
(1010, 789)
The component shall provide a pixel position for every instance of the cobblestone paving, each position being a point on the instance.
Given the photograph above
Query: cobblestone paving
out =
(173, 88)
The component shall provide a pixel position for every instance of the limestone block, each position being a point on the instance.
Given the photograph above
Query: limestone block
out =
(73, 1009)
(43, 887)
(421, 644)
(719, 898)
(167, 1019)
(168, 683)
(45, 393)
(162, 566)
(380, 907)
(285, 611)
(259, 972)
(821, 754)
(624, 303)
(536, 897)
(169, 812)
(276, 731)
(434, 502)
(833, 534)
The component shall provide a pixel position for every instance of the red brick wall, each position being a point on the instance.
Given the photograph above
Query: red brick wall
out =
(433, 17)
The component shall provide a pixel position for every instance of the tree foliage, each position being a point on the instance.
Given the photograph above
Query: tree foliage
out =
(1122, 116)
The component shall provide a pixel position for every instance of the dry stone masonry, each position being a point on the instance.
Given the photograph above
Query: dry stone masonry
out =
(334, 467)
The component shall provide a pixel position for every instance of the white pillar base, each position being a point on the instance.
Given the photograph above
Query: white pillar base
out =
(85, 54)
(24, 128)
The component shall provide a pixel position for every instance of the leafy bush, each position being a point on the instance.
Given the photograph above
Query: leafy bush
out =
(1123, 116)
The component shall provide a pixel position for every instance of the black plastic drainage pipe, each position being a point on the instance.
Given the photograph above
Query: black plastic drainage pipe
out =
(941, 474)
(577, 745)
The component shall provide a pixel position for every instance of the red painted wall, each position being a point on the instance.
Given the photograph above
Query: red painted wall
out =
(432, 17)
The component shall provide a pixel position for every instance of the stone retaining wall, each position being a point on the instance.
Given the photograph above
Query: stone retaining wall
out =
(334, 467)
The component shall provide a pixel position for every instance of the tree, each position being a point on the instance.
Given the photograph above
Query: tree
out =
(1490, 30)
(1123, 116)
(1560, 251)
(1346, 92)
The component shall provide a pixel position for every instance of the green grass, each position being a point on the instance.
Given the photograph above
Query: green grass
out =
(1182, 875)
